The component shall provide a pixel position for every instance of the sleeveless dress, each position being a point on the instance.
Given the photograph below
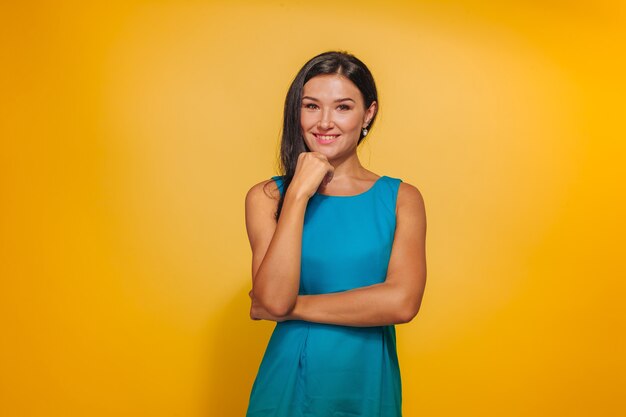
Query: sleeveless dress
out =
(325, 370)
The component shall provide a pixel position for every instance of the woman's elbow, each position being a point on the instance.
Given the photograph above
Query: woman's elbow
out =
(279, 310)
(408, 311)
(404, 315)
(276, 306)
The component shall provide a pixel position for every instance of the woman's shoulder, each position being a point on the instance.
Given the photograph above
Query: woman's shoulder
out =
(263, 191)
(405, 189)
(409, 198)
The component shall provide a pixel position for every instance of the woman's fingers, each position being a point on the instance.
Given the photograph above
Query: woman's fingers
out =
(312, 171)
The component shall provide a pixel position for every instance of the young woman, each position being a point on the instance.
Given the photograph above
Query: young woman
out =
(338, 255)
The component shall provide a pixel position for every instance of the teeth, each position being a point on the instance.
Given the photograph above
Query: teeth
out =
(326, 137)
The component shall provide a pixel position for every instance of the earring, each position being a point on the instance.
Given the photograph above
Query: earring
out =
(364, 132)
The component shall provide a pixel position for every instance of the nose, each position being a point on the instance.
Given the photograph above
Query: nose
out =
(326, 121)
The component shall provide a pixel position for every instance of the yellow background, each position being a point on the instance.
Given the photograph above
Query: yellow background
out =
(131, 132)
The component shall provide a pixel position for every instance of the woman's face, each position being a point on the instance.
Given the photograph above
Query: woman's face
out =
(332, 115)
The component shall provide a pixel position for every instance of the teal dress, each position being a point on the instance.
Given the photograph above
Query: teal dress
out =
(325, 370)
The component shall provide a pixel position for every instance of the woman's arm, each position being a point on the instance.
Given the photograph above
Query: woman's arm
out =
(398, 299)
(276, 247)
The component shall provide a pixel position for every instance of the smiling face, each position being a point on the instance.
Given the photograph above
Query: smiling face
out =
(332, 115)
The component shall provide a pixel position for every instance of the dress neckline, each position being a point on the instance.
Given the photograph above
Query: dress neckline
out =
(355, 195)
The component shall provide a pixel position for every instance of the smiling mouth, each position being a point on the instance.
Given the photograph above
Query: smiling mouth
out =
(325, 138)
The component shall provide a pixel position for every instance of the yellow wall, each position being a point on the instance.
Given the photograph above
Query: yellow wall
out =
(131, 132)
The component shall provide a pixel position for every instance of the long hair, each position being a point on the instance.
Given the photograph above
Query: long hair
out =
(292, 142)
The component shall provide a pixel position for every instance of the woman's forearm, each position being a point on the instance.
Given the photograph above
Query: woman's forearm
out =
(374, 305)
(277, 280)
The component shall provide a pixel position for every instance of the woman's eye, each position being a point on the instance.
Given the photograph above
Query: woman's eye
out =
(313, 106)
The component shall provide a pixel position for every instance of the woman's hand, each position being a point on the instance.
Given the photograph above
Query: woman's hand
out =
(257, 312)
(313, 171)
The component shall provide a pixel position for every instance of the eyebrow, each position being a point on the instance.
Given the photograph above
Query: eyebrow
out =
(336, 101)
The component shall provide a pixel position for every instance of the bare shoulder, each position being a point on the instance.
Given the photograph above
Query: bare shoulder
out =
(410, 208)
(264, 193)
(409, 198)
(260, 208)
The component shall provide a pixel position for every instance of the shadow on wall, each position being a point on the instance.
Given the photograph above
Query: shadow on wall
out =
(238, 344)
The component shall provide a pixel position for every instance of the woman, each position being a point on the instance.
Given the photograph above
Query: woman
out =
(338, 255)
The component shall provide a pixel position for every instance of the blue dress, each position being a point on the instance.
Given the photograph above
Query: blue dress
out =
(324, 370)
